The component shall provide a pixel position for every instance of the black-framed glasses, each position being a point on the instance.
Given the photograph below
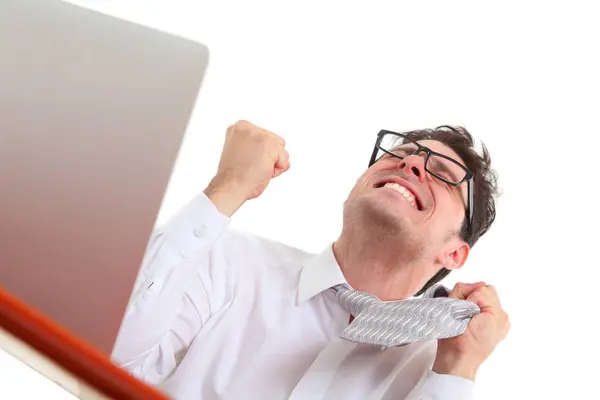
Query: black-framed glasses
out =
(438, 165)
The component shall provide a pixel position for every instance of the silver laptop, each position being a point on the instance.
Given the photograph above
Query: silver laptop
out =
(93, 110)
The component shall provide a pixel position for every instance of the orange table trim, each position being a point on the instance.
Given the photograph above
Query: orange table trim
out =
(71, 352)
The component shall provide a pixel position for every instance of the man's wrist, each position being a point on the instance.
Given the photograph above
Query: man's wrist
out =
(456, 366)
(226, 195)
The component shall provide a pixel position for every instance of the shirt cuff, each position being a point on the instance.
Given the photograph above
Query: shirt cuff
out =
(196, 224)
(447, 387)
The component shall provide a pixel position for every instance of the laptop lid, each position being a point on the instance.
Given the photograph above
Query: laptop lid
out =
(93, 110)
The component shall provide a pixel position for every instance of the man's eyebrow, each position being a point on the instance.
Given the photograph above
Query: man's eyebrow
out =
(402, 145)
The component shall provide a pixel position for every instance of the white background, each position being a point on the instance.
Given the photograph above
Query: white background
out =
(327, 76)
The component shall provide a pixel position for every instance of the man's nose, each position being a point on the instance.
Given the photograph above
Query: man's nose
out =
(413, 165)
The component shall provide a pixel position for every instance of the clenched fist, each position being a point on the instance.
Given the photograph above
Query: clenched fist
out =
(251, 157)
(462, 355)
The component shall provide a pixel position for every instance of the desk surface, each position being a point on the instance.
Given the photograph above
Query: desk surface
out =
(74, 364)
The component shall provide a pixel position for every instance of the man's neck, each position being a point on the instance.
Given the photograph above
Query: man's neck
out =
(377, 269)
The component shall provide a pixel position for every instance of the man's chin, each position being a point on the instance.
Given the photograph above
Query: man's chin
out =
(377, 216)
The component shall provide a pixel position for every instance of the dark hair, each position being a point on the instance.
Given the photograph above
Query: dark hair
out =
(484, 183)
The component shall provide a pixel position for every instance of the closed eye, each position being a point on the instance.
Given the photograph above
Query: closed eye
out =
(441, 169)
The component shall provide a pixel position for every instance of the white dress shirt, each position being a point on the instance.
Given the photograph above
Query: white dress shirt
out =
(218, 314)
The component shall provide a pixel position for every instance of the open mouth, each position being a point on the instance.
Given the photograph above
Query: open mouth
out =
(404, 191)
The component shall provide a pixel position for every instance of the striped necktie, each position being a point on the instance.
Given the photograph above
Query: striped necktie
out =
(398, 323)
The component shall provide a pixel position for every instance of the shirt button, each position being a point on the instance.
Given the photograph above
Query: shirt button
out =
(200, 231)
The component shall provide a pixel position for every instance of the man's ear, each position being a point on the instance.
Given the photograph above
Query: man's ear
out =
(455, 255)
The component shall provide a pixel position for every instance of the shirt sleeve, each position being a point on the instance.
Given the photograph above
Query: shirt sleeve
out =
(170, 302)
(436, 386)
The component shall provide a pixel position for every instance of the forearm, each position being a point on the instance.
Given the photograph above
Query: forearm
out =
(226, 194)
(169, 291)
(455, 366)
(435, 386)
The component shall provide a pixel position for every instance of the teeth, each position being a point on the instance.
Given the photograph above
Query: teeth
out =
(403, 191)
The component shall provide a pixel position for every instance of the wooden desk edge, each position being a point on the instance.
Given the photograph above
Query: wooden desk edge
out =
(71, 352)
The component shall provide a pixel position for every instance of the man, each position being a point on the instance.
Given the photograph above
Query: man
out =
(219, 314)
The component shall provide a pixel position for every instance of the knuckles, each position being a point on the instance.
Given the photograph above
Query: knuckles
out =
(242, 124)
(241, 127)
(253, 132)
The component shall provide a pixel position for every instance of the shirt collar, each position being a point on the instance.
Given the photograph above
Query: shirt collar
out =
(319, 274)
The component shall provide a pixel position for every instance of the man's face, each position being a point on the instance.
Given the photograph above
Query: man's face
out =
(400, 197)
